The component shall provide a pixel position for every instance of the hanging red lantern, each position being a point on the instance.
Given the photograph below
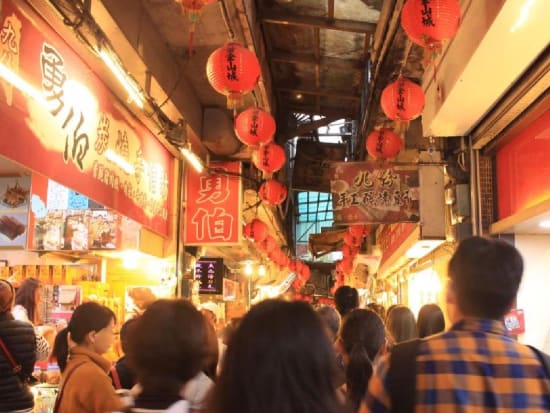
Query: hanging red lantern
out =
(352, 240)
(268, 244)
(256, 230)
(254, 126)
(349, 251)
(357, 231)
(306, 272)
(234, 71)
(272, 192)
(347, 265)
(402, 100)
(383, 143)
(429, 22)
(193, 9)
(269, 158)
(293, 265)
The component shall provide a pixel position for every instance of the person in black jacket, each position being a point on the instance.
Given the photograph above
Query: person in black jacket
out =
(19, 338)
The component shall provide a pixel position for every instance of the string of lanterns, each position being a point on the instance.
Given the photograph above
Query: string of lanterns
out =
(427, 23)
(353, 238)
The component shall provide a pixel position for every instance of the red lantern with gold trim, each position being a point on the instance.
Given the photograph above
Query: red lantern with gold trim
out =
(429, 22)
(272, 192)
(383, 143)
(254, 126)
(402, 100)
(256, 230)
(234, 71)
(357, 231)
(269, 158)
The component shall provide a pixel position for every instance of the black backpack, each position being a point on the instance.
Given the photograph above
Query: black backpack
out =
(402, 374)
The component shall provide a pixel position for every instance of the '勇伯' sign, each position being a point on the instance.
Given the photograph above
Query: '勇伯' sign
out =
(213, 213)
(366, 192)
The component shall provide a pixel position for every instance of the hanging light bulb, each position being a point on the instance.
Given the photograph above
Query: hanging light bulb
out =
(248, 268)
(261, 270)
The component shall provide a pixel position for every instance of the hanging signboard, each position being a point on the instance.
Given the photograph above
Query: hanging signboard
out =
(69, 127)
(368, 192)
(14, 211)
(213, 213)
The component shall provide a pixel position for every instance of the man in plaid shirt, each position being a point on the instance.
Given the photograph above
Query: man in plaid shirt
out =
(475, 366)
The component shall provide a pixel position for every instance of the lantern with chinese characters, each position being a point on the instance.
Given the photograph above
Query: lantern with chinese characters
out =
(234, 71)
(269, 158)
(254, 126)
(402, 100)
(272, 192)
(383, 143)
(256, 230)
(430, 22)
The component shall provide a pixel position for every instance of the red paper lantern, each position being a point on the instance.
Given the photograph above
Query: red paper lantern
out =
(234, 71)
(256, 230)
(357, 231)
(352, 240)
(269, 158)
(254, 126)
(193, 8)
(402, 100)
(383, 143)
(347, 265)
(349, 251)
(306, 272)
(272, 192)
(268, 244)
(429, 22)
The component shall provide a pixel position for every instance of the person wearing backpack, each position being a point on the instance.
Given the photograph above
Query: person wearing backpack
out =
(476, 365)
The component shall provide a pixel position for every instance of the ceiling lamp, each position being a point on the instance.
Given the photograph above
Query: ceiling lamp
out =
(233, 71)
(402, 100)
(254, 126)
(430, 22)
(272, 192)
(269, 158)
(383, 143)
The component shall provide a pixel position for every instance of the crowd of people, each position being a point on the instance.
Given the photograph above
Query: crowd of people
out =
(288, 357)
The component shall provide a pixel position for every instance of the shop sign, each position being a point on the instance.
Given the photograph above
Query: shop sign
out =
(514, 322)
(72, 129)
(366, 192)
(213, 212)
(392, 236)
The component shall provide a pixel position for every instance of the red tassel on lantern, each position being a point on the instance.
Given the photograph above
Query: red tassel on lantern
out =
(272, 192)
(269, 158)
(383, 143)
(254, 126)
(256, 230)
(234, 71)
(193, 9)
(402, 100)
(429, 22)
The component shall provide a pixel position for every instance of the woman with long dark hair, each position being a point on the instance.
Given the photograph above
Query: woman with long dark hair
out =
(401, 324)
(362, 338)
(85, 384)
(27, 302)
(279, 360)
(430, 320)
(19, 340)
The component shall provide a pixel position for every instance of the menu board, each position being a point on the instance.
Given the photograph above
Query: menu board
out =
(209, 273)
(14, 211)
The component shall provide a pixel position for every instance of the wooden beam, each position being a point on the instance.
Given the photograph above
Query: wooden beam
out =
(309, 126)
(331, 9)
(351, 26)
(333, 62)
(320, 92)
(317, 49)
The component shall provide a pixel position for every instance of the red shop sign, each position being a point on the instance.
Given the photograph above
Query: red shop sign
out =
(74, 126)
(392, 236)
(213, 213)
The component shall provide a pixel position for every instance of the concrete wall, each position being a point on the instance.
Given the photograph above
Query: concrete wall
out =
(535, 289)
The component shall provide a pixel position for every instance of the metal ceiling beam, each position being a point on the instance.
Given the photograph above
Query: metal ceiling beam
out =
(332, 62)
(320, 92)
(341, 112)
(351, 26)
(304, 128)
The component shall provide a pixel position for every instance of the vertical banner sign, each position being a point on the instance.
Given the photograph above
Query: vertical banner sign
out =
(69, 127)
(213, 213)
(367, 192)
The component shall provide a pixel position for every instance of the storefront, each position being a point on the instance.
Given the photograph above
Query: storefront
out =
(88, 192)
(523, 192)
